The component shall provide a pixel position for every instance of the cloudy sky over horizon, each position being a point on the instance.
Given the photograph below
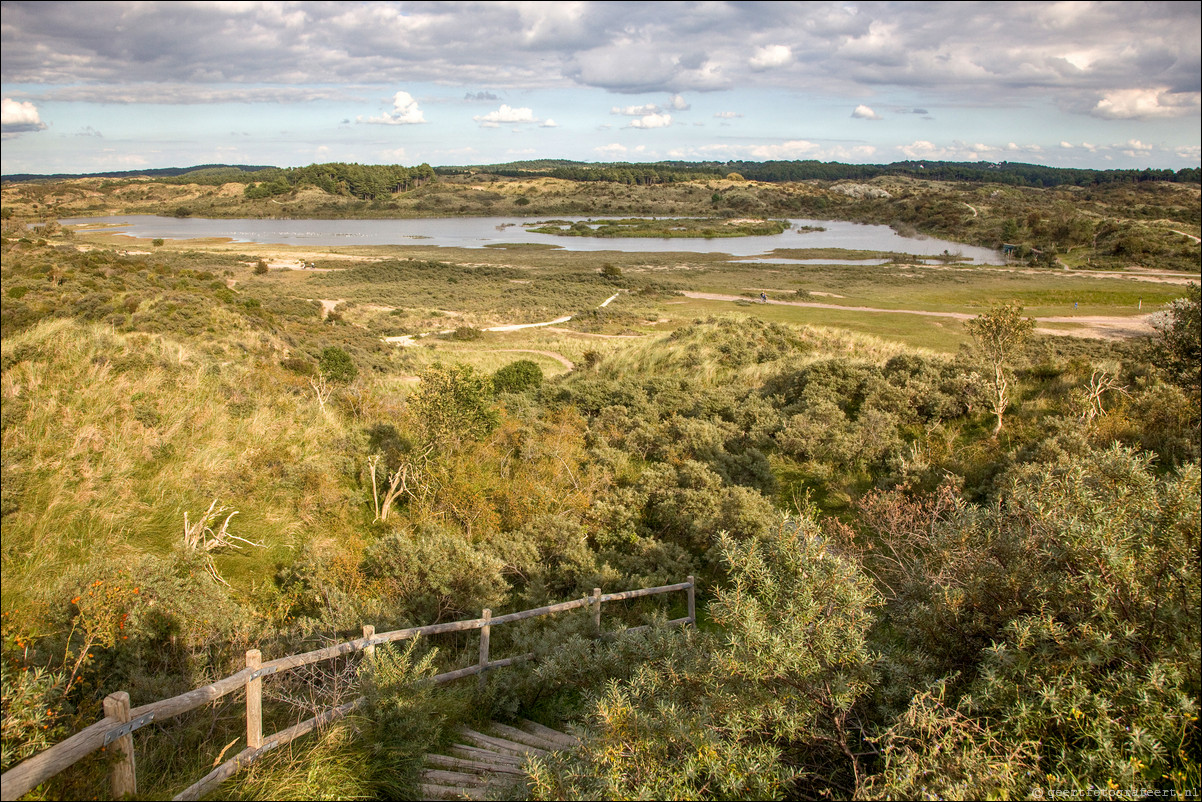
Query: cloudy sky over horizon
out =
(97, 86)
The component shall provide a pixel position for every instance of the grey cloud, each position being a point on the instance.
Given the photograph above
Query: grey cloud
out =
(12, 129)
(190, 94)
(1077, 53)
(481, 96)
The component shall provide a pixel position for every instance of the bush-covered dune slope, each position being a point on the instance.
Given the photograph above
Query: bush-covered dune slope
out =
(922, 574)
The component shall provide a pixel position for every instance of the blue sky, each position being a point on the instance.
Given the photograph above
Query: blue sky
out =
(121, 86)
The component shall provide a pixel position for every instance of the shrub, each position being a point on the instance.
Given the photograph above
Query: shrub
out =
(298, 365)
(436, 572)
(755, 710)
(337, 366)
(1179, 344)
(1065, 621)
(453, 404)
(517, 377)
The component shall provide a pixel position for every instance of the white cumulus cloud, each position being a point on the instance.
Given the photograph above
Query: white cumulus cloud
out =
(1135, 104)
(636, 111)
(862, 112)
(506, 114)
(770, 57)
(405, 111)
(19, 117)
(678, 104)
(727, 115)
(652, 121)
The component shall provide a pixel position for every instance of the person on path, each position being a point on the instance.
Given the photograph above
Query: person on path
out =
(763, 298)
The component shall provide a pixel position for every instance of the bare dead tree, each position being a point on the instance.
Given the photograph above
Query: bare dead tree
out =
(323, 389)
(405, 480)
(201, 538)
(1102, 381)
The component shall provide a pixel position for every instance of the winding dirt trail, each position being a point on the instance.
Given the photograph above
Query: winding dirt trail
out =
(411, 339)
(558, 357)
(1093, 326)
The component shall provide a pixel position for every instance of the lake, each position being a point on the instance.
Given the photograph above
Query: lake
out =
(478, 232)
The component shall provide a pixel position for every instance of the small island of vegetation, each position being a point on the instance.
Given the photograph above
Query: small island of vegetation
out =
(655, 228)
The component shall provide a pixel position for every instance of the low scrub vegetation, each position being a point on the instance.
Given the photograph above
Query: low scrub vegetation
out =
(970, 573)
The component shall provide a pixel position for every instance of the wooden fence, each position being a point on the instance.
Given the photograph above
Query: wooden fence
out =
(119, 722)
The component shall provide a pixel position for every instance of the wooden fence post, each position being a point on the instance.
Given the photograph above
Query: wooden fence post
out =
(692, 601)
(369, 651)
(485, 633)
(597, 609)
(254, 702)
(124, 774)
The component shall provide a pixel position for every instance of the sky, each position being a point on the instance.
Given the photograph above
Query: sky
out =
(101, 86)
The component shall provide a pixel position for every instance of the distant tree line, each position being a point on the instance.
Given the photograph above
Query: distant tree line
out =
(364, 181)
(1013, 173)
(204, 171)
(1018, 174)
(617, 172)
(374, 181)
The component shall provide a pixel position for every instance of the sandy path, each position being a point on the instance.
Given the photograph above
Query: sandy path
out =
(575, 333)
(411, 339)
(1093, 326)
(328, 306)
(1182, 233)
(558, 357)
(519, 326)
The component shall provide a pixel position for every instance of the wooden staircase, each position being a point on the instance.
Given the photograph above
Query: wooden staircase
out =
(482, 765)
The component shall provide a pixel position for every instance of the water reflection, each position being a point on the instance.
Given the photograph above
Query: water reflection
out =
(478, 232)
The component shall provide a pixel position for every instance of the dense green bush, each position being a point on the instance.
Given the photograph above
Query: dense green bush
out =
(453, 404)
(517, 377)
(1061, 627)
(755, 709)
(337, 366)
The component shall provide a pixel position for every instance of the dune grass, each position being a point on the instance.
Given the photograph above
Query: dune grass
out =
(115, 436)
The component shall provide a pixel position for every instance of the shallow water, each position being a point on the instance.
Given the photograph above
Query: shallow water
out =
(478, 232)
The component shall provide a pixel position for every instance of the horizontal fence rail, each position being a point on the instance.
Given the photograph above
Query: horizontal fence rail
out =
(120, 721)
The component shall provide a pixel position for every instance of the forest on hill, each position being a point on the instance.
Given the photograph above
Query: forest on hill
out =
(960, 573)
(1007, 173)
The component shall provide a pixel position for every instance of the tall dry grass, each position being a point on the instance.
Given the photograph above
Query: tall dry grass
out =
(110, 438)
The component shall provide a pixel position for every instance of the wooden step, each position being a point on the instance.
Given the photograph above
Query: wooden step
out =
(429, 791)
(521, 736)
(500, 744)
(453, 778)
(486, 755)
(479, 766)
(564, 740)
